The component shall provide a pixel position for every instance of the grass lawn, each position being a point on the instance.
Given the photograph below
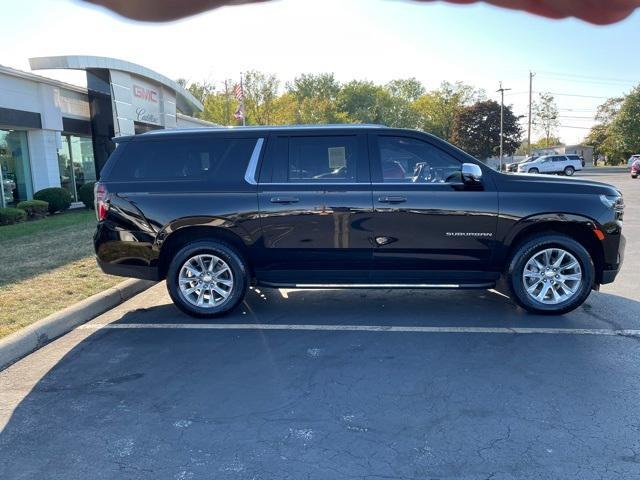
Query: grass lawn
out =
(47, 265)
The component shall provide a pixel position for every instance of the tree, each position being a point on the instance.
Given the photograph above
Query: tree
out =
(616, 136)
(545, 142)
(477, 130)
(260, 91)
(365, 102)
(315, 98)
(437, 110)
(409, 89)
(625, 127)
(545, 116)
(323, 85)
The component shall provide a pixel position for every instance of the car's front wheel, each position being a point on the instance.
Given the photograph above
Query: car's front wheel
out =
(534, 170)
(569, 171)
(550, 274)
(207, 278)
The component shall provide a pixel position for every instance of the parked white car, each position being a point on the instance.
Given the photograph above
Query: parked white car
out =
(632, 159)
(559, 164)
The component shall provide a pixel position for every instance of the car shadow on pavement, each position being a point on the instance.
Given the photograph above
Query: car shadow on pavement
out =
(452, 308)
(186, 403)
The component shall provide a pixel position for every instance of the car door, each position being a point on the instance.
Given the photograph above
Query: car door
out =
(315, 203)
(425, 220)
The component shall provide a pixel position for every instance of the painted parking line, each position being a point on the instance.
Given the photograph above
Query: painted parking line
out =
(361, 328)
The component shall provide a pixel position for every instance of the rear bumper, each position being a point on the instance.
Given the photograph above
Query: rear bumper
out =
(125, 253)
(132, 271)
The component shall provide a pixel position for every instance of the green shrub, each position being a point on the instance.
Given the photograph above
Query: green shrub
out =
(34, 208)
(85, 194)
(9, 216)
(57, 198)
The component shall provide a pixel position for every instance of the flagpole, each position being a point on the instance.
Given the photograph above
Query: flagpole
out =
(244, 109)
(227, 110)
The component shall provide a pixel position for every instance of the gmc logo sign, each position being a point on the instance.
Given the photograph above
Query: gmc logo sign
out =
(145, 93)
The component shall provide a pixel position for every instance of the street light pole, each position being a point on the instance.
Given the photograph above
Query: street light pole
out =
(502, 90)
(531, 75)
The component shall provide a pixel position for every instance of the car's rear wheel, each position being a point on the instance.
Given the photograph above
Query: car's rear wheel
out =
(550, 274)
(207, 279)
(534, 170)
(569, 171)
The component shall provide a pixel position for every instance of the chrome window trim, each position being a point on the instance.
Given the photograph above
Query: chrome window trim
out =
(250, 174)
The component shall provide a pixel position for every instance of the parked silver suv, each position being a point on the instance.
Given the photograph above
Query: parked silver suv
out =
(559, 164)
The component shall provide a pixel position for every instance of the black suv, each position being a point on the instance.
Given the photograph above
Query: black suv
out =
(216, 210)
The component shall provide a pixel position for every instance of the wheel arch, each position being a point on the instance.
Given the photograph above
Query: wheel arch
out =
(576, 227)
(173, 239)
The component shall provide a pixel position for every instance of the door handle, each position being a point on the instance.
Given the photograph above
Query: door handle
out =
(285, 200)
(392, 199)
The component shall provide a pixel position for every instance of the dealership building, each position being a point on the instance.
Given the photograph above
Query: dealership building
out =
(54, 134)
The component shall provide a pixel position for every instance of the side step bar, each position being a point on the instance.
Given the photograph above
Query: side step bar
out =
(482, 286)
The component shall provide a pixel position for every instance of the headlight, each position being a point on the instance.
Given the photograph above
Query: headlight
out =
(612, 201)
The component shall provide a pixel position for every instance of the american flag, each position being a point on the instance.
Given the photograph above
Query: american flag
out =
(238, 91)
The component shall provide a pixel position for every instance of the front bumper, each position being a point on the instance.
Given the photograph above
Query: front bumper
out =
(612, 269)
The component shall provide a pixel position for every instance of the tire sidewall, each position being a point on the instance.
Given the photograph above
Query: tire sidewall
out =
(524, 253)
(569, 171)
(222, 250)
(533, 171)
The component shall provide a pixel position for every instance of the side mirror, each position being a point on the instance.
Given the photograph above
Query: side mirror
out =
(471, 174)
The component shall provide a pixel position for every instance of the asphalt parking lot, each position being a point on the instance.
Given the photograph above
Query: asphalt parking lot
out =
(316, 385)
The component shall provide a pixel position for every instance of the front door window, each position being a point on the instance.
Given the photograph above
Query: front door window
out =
(15, 171)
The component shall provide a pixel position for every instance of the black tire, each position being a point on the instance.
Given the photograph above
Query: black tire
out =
(634, 176)
(228, 254)
(533, 170)
(569, 171)
(515, 285)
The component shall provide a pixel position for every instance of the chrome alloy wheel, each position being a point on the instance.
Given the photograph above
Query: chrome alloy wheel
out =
(206, 281)
(552, 276)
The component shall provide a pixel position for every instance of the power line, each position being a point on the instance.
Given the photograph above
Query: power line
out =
(574, 95)
(591, 77)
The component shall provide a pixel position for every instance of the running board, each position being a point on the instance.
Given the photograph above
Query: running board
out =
(425, 286)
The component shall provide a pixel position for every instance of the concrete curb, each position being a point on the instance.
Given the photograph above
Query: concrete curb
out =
(31, 338)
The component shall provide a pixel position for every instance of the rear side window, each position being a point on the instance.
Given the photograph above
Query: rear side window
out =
(322, 159)
(215, 160)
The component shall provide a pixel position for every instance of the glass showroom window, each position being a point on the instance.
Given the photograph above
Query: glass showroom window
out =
(15, 171)
(76, 163)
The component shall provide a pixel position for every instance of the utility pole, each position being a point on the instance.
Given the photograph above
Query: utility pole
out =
(531, 75)
(502, 90)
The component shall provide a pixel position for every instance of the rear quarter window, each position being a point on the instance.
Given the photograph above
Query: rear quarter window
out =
(221, 161)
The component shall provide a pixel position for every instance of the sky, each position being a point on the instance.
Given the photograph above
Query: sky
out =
(377, 40)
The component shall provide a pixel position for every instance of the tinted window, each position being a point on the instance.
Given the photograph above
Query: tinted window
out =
(559, 159)
(322, 159)
(216, 160)
(407, 160)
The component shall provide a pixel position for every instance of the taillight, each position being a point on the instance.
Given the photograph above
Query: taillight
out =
(101, 204)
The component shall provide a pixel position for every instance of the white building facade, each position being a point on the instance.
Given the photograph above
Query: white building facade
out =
(54, 134)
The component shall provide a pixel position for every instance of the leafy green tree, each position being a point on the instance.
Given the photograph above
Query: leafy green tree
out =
(437, 110)
(365, 102)
(409, 89)
(261, 92)
(477, 130)
(546, 116)
(616, 136)
(316, 98)
(544, 142)
(625, 127)
(323, 85)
